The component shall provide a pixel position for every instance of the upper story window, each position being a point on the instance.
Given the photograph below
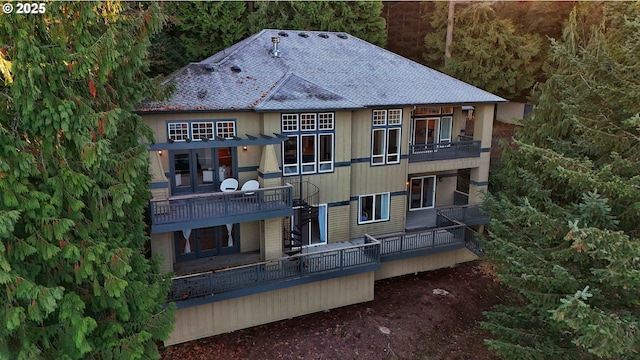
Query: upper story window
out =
(202, 130)
(178, 131)
(199, 130)
(226, 129)
(386, 136)
(310, 146)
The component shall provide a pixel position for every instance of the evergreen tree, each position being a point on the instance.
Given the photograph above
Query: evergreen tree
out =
(362, 19)
(73, 185)
(208, 27)
(486, 51)
(565, 232)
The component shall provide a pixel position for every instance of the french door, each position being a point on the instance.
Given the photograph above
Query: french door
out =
(205, 242)
(200, 170)
(422, 193)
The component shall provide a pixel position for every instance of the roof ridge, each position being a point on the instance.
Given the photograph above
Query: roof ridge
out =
(223, 55)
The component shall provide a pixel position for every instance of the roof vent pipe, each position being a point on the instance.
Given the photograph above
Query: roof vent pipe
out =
(275, 52)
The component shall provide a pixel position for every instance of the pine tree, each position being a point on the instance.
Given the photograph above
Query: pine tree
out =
(565, 232)
(73, 185)
(486, 51)
(362, 19)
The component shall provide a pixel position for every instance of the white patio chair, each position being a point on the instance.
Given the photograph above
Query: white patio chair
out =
(250, 186)
(228, 185)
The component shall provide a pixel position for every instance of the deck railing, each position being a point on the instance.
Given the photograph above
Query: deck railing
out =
(430, 239)
(204, 206)
(297, 266)
(470, 215)
(442, 151)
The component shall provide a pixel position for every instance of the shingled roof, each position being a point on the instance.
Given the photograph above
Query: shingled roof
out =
(313, 71)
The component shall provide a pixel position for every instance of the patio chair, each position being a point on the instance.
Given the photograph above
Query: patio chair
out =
(228, 185)
(249, 186)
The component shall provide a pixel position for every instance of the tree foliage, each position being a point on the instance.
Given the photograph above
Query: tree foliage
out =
(358, 18)
(565, 229)
(487, 51)
(73, 186)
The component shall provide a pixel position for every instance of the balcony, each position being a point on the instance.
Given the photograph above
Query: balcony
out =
(469, 215)
(324, 263)
(203, 210)
(444, 151)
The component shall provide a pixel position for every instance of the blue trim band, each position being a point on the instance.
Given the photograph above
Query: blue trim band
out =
(479, 183)
(485, 149)
(342, 163)
(159, 185)
(247, 168)
(360, 160)
(338, 203)
(404, 156)
(269, 175)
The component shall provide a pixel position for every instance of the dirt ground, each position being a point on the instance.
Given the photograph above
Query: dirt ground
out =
(407, 320)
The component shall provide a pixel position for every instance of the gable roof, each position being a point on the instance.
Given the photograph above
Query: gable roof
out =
(314, 71)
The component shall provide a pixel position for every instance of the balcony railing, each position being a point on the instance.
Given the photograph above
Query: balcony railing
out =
(265, 273)
(425, 241)
(219, 206)
(443, 151)
(469, 215)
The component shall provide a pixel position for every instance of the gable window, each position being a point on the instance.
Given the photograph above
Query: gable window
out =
(309, 148)
(386, 136)
(373, 208)
(200, 130)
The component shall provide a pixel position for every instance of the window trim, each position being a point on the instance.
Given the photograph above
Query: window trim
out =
(318, 132)
(387, 128)
(189, 128)
(382, 195)
(296, 166)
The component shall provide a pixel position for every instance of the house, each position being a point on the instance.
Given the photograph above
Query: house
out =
(295, 168)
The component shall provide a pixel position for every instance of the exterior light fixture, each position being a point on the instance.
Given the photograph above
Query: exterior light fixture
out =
(244, 148)
(160, 152)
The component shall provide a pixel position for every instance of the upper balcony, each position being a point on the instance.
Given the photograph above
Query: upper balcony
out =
(211, 209)
(444, 151)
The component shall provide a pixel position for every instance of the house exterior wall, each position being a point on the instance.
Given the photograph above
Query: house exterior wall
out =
(510, 112)
(239, 313)
(162, 246)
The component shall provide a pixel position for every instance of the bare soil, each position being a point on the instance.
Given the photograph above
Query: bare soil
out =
(407, 320)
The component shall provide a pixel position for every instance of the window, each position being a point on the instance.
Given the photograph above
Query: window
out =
(178, 131)
(200, 130)
(290, 122)
(386, 136)
(379, 117)
(290, 156)
(308, 154)
(373, 208)
(308, 122)
(310, 149)
(325, 121)
(226, 129)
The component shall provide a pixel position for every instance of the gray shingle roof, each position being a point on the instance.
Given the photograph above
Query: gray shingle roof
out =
(319, 71)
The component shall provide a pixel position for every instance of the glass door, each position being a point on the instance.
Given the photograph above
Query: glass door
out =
(425, 133)
(205, 242)
(422, 193)
(200, 170)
